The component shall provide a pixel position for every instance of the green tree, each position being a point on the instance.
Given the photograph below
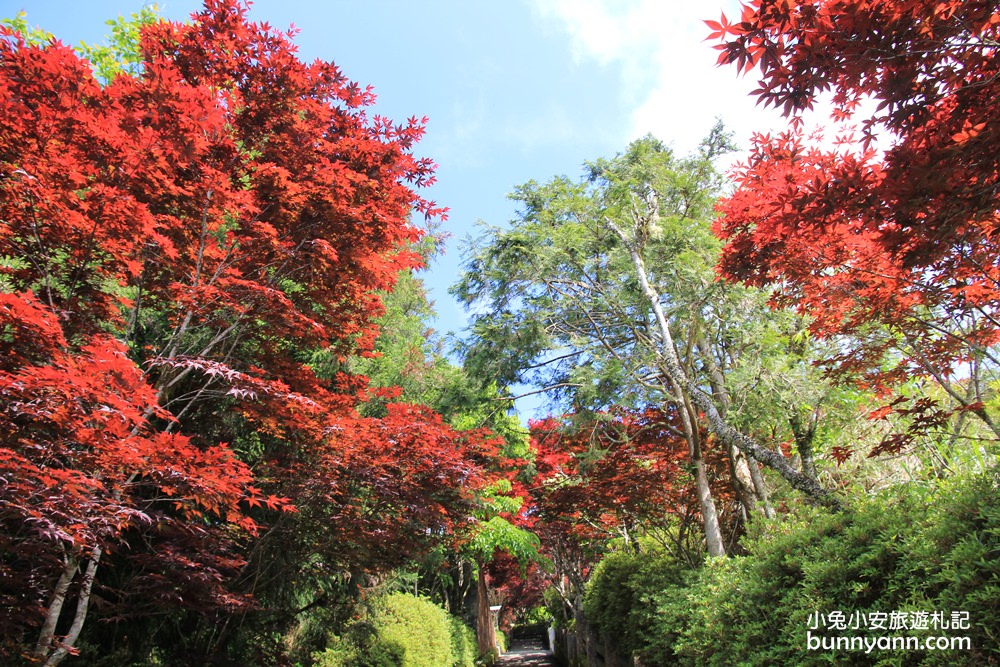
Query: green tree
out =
(121, 54)
(603, 291)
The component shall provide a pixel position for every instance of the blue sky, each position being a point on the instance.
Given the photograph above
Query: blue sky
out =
(515, 90)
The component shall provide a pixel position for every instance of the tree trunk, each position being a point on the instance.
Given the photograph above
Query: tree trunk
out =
(671, 366)
(713, 532)
(48, 631)
(486, 636)
(742, 481)
(804, 436)
(47, 648)
(710, 517)
(739, 468)
(610, 652)
(760, 487)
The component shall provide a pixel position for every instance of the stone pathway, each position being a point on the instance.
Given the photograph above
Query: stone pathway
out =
(528, 650)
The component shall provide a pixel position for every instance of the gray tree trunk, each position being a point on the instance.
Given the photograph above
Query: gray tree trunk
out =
(48, 649)
(671, 366)
(713, 532)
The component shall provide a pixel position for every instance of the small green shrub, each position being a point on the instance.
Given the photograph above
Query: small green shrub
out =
(622, 601)
(418, 626)
(402, 631)
(360, 647)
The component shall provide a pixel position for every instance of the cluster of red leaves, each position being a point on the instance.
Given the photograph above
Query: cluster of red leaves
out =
(80, 464)
(519, 587)
(607, 474)
(919, 416)
(231, 187)
(407, 480)
(898, 250)
(182, 241)
(608, 478)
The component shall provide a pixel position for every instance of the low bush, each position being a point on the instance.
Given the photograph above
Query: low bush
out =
(403, 631)
(623, 597)
(905, 551)
(418, 626)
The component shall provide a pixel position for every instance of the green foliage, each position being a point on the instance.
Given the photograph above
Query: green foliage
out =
(403, 631)
(499, 534)
(536, 616)
(421, 628)
(409, 359)
(496, 499)
(486, 407)
(910, 549)
(405, 351)
(463, 644)
(361, 649)
(33, 36)
(556, 300)
(555, 609)
(626, 598)
(122, 53)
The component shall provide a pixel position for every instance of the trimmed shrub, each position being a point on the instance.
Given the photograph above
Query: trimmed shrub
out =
(359, 647)
(346, 654)
(403, 631)
(418, 626)
(623, 596)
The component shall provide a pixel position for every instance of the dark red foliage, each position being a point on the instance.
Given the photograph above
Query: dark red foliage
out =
(519, 587)
(616, 473)
(385, 490)
(619, 476)
(81, 465)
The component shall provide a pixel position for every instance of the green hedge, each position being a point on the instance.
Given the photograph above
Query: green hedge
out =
(463, 644)
(403, 631)
(625, 599)
(901, 551)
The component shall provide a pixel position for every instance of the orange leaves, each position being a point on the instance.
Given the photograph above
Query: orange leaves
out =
(720, 28)
(192, 152)
(25, 325)
(880, 413)
(969, 131)
(893, 253)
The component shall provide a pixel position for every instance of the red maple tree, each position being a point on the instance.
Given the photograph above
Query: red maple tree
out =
(189, 254)
(82, 465)
(407, 479)
(619, 476)
(895, 248)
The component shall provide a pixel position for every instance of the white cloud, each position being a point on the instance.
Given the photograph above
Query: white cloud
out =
(670, 80)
